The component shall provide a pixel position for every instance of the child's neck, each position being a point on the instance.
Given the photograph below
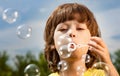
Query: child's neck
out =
(75, 68)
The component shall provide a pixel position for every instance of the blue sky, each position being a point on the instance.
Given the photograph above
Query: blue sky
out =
(35, 13)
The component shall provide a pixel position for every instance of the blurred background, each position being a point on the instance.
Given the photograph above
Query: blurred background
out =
(22, 25)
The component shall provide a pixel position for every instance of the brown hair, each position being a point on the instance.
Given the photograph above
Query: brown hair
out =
(68, 11)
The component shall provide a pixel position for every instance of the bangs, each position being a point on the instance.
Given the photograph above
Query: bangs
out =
(72, 13)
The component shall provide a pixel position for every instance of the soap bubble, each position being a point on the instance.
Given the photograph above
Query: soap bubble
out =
(32, 70)
(103, 69)
(65, 46)
(10, 15)
(86, 58)
(63, 51)
(64, 39)
(24, 31)
(62, 65)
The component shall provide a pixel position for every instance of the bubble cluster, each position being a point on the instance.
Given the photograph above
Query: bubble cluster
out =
(31, 70)
(10, 15)
(66, 48)
(24, 31)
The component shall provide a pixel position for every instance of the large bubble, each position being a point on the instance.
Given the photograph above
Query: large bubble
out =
(65, 46)
(102, 69)
(10, 15)
(65, 51)
(32, 70)
(64, 39)
(24, 31)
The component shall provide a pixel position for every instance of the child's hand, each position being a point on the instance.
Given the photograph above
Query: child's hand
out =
(98, 47)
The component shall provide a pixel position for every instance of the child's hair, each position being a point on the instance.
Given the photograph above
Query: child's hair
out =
(65, 12)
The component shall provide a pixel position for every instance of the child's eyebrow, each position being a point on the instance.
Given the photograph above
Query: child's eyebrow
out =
(63, 24)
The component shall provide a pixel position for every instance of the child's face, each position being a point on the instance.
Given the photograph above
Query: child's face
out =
(79, 32)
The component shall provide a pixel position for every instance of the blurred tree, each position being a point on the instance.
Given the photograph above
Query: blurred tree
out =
(22, 61)
(5, 69)
(116, 60)
(43, 65)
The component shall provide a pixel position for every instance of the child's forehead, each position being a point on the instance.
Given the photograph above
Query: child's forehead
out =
(71, 22)
(72, 16)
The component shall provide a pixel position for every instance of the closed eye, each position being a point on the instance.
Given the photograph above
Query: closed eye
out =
(62, 29)
(79, 28)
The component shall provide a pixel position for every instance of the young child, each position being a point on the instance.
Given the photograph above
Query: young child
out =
(77, 22)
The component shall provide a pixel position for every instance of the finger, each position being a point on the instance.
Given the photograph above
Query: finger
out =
(96, 51)
(95, 45)
(99, 41)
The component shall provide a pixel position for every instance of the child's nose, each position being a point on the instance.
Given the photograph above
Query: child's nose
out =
(72, 35)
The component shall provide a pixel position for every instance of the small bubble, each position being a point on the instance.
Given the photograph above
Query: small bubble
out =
(62, 65)
(10, 15)
(32, 70)
(24, 31)
(86, 58)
